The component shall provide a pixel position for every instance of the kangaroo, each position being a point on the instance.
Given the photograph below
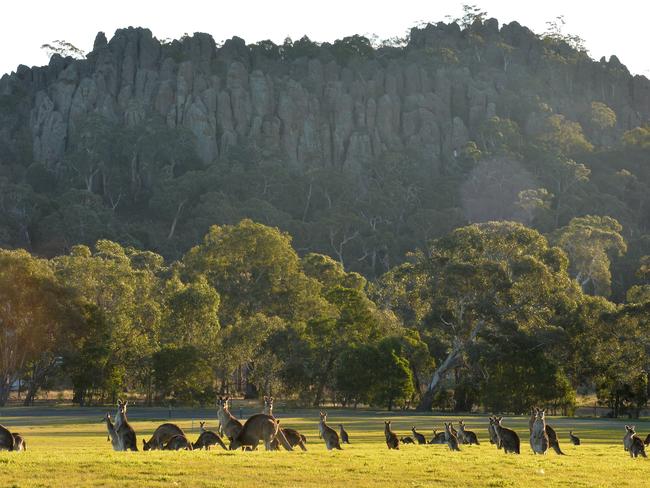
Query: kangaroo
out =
(450, 437)
(345, 438)
(637, 448)
(260, 427)
(629, 433)
(161, 436)
(208, 438)
(506, 438)
(228, 423)
(575, 440)
(328, 434)
(418, 437)
(539, 442)
(407, 440)
(125, 433)
(19, 442)
(294, 438)
(7, 440)
(554, 443)
(492, 433)
(391, 438)
(468, 436)
(178, 442)
(438, 438)
(112, 434)
(453, 431)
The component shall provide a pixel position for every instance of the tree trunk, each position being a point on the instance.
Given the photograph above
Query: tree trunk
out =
(452, 360)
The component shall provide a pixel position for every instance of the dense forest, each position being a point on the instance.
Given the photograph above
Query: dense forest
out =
(458, 218)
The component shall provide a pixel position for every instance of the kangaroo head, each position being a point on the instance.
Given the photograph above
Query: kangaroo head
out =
(323, 416)
(461, 425)
(631, 429)
(146, 446)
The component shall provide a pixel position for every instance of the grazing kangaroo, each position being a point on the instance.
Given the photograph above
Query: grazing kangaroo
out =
(492, 433)
(575, 440)
(328, 434)
(207, 438)
(260, 427)
(161, 436)
(418, 437)
(125, 433)
(228, 423)
(438, 438)
(391, 438)
(506, 438)
(178, 442)
(468, 436)
(7, 440)
(19, 442)
(539, 442)
(407, 440)
(450, 437)
(112, 434)
(294, 438)
(345, 438)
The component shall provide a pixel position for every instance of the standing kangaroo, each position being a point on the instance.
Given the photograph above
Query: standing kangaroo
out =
(637, 448)
(506, 438)
(260, 427)
(294, 438)
(450, 437)
(207, 438)
(575, 440)
(328, 434)
(554, 443)
(125, 433)
(438, 438)
(7, 440)
(492, 433)
(345, 438)
(161, 436)
(539, 442)
(629, 433)
(112, 434)
(391, 438)
(228, 423)
(418, 437)
(468, 436)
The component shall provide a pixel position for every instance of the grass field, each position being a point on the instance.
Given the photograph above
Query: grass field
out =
(68, 447)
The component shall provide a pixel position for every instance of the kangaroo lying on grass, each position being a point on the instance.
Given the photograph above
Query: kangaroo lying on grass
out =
(230, 426)
(438, 438)
(208, 438)
(407, 440)
(260, 427)
(506, 438)
(391, 438)
(178, 442)
(161, 436)
(466, 436)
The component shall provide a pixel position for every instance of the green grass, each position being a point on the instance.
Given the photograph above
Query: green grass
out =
(68, 448)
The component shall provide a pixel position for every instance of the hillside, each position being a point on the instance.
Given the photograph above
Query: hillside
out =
(360, 152)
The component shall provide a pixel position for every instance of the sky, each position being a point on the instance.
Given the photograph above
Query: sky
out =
(607, 27)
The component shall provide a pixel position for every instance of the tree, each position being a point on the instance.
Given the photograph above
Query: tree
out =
(589, 242)
(63, 48)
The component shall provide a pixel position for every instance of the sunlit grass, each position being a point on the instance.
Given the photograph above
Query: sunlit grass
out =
(69, 448)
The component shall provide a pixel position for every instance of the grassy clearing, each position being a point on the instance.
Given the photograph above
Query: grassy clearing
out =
(69, 448)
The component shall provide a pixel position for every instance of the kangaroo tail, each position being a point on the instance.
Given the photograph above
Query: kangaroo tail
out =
(556, 448)
(281, 437)
(220, 442)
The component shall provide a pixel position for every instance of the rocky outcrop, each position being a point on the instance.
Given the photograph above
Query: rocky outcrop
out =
(314, 110)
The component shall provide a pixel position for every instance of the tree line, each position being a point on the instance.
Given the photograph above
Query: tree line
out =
(487, 316)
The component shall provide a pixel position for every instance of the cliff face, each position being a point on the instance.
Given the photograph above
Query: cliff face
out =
(319, 108)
